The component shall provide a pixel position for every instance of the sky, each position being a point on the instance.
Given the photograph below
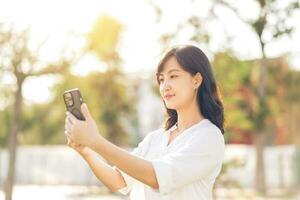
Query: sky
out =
(139, 45)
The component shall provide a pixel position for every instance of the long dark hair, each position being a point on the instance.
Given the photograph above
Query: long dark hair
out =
(193, 60)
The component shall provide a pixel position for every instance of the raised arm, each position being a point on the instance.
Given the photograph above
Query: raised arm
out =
(86, 133)
(110, 177)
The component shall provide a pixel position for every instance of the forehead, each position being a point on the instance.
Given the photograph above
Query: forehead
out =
(171, 65)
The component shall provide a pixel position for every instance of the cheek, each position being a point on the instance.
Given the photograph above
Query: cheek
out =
(161, 90)
(186, 94)
(183, 92)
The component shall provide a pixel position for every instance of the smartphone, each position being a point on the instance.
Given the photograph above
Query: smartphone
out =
(73, 101)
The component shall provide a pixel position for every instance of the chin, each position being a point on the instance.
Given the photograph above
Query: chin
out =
(171, 106)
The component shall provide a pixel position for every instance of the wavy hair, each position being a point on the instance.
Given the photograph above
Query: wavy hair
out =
(193, 60)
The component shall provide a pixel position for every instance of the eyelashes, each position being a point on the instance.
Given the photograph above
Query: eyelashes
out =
(172, 77)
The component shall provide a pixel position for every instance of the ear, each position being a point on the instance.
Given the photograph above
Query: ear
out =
(197, 80)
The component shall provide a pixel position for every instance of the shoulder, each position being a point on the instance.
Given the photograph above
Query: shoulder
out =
(144, 145)
(150, 136)
(208, 135)
(154, 134)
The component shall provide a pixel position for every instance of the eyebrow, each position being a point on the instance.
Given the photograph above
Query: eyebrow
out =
(171, 70)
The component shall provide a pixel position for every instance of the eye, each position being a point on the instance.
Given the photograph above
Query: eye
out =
(173, 76)
(160, 80)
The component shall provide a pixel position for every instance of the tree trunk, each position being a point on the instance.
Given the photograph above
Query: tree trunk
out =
(260, 167)
(13, 142)
(261, 137)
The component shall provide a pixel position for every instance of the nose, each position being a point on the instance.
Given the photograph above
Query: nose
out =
(165, 86)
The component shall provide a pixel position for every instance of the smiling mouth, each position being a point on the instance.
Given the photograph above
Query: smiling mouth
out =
(168, 97)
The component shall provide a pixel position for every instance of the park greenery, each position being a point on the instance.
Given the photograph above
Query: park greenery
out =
(261, 96)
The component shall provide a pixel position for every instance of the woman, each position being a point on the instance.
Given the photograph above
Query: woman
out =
(180, 161)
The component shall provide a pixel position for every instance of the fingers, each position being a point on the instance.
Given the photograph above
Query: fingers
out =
(69, 123)
(85, 111)
(70, 142)
(69, 136)
(71, 118)
(68, 120)
(68, 126)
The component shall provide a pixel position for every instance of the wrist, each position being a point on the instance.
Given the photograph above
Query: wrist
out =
(96, 142)
(86, 153)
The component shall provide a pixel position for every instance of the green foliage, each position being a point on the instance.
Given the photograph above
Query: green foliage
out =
(43, 124)
(107, 98)
(106, 94)
(233, 79)
(104, 37)
(4, 128)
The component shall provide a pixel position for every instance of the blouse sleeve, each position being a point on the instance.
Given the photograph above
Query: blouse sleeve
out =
(197, 160)
(140, 151)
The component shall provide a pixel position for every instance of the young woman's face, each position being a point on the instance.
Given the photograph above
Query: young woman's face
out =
(177, 87)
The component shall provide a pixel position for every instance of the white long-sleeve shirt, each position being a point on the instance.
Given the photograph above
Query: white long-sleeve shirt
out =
(185, 169)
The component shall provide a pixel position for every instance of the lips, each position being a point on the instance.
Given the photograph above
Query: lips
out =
(169, 96)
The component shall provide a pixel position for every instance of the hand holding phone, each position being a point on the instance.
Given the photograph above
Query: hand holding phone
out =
(73, 101)
(80, 127)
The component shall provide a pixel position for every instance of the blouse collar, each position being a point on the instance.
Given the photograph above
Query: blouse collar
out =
(174, 127)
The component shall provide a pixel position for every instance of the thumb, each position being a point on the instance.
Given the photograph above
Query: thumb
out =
(85, 111)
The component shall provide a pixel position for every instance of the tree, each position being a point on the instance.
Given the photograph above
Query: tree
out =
(261, 26)
(103, 40)
(267, 30)
(234, 87)
(20, 61)
(111, 86)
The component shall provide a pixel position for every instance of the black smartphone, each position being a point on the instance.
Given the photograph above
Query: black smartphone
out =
(73, 101)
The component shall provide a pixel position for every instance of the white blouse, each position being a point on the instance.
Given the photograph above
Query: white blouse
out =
(185, 169)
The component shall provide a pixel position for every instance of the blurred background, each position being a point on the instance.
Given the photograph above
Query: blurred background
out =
(110, 50)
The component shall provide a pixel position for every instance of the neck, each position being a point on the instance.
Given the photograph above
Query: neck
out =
(188, 116)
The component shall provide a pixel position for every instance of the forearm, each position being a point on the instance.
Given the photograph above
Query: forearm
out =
(132, 165)
(105, 173)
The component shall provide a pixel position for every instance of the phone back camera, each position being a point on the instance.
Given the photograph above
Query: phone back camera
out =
(69, 99)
